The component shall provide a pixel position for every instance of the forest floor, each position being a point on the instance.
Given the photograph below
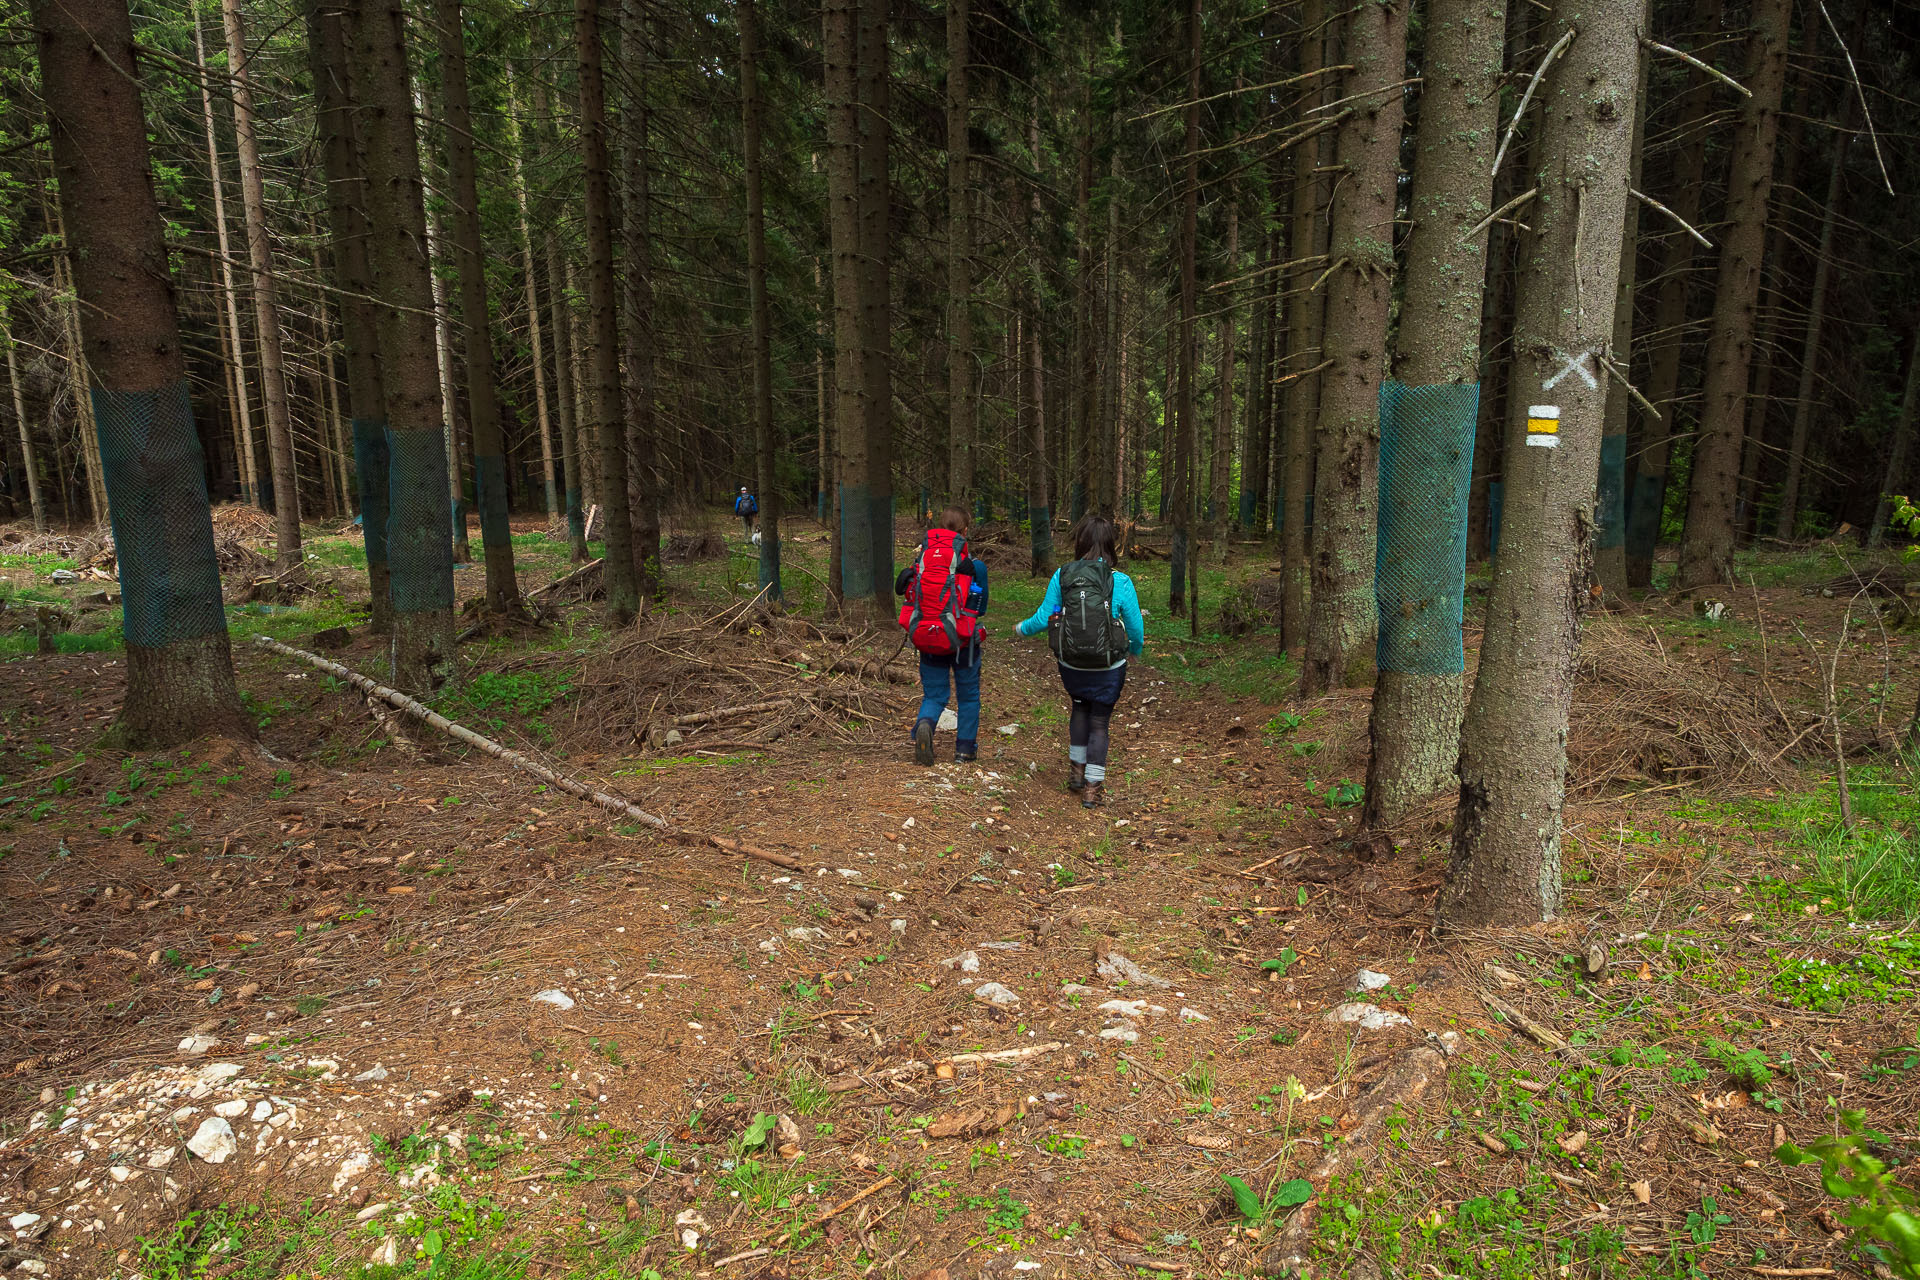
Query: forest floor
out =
(380, 1005)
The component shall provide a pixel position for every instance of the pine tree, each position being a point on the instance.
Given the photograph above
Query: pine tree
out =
(766, 478)
(179, 667)
(1505, 866)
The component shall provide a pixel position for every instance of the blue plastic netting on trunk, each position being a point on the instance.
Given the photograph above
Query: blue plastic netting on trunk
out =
(419, 522)
(370, 467)
(156, 482)
(1610, 503)
(1420, 561)
(490, 492)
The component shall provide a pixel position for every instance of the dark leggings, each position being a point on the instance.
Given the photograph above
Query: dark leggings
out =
(1088, 728)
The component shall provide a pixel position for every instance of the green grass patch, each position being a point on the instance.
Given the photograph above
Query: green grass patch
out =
(1873, 869)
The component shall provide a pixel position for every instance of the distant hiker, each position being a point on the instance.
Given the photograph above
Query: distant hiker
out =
(746, 506)
(1091, 615)
(946, 591)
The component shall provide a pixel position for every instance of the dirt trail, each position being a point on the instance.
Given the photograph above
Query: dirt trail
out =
(414, 981)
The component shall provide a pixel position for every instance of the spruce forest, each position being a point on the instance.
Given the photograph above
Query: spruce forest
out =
(935, 639)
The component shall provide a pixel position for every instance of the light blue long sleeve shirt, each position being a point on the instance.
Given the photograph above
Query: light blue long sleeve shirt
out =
(1126, 607)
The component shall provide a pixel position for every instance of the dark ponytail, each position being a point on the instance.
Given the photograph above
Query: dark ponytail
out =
(1093, 538)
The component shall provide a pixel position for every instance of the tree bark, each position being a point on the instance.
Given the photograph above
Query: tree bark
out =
(1220, 482)
(876, 301)
(1341, 617)
(287, 556)
(1415, 718)
(636, 234)
(961, 409)
(541, 410)
(1186, 424)
(443, 345)
(1039, 514)
(1610, 495)
(1895, 480)
(179, 668)
(1305, 318)
(1111, 449)
(852, 533)
(1078, 471)
(616, 515)
(229, 304)
(1505, 867)
(766, 477)
(1647, 496)
(419, 532)
(1706, 551)
(1787, 519)
(29, 463)
(560, 305)
(483, 406)
(1256, 435)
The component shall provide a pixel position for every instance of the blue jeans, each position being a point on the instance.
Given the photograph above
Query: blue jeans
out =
(933, 694)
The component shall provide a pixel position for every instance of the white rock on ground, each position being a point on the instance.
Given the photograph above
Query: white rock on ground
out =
(555, 997)
(198, 1046)
(375, 1072)
(160, 1159)
(231, 1109)
(1008, 729)
(949, 721)
(1368, 980)
(965, 962)
(1132, 1009)
(1369, 1017)
(1125, 1033)
(1193, 1015)
(995, 993)
(1115, 967)
(213, 1141)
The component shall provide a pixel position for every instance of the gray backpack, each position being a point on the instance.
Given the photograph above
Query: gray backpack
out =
(1084, 633)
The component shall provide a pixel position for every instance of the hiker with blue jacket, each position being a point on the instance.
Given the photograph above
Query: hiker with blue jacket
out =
(1091, 615)
(746, 506)
(946, 592)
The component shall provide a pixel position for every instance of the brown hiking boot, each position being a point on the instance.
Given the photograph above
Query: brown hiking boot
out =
(1095, 796)
(1076, 776)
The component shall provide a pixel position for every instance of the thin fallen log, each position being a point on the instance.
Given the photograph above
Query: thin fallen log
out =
(567, 581)
(765, 855)
(725, 713)
(1005, 1055)
(400, 701)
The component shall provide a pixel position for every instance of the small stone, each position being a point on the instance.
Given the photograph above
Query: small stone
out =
(897, 926)
(808, 933)
(213, 1141)
(378, 1072)
(21, 1221)
(949, 720)
(232, 1109)
(254, 1038)
(1193, 1015)
(1115, 967)
(261, 1110)
(198, 1046)
(995, 993)
(1131, 1008)
(1125, 1033)
(965, 962)
(555, 997)
(1008, 729)
(1368, 980)
(1368, 1017)
(119, 1173)
(162, 1158)
(371, 1212)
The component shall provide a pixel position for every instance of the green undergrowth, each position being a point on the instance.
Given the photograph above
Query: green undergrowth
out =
(1872, 868)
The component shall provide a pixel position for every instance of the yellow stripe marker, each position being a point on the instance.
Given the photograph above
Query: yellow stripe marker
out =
(1543, 425)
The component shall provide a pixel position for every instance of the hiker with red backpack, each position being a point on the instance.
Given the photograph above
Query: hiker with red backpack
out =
(1091, 615)
(946, 592)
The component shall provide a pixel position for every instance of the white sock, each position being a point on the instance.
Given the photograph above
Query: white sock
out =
(1077, 755)
(1096, 773)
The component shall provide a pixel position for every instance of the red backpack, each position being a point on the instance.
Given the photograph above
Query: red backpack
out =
(936, 615)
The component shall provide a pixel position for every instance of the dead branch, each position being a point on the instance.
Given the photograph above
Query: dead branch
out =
(728, 713)
(1559, 47)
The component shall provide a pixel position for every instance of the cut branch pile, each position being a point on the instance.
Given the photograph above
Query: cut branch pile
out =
(1639, 716)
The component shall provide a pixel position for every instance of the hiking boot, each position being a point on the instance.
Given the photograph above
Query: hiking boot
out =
(923, 743)
(1096, 795)
(965, 752)
(1076, 776)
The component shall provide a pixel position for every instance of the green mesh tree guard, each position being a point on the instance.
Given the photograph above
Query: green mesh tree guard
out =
(576, 517)
(1610, 506)
(1420, 560)
(370, 467)
(419, 522)
(157, 501)
(880, 534)
(856, 542)
(490, 493)
(1644, 514)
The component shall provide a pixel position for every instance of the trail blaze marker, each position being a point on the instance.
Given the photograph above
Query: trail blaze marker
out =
(1543, 425)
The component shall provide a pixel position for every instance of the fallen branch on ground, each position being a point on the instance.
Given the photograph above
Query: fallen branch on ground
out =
(724, 713)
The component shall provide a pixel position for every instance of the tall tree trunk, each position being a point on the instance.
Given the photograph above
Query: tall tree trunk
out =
(287, 556)
(1306, 316)
(1895, 481)
(961, 411)
(1787, 519)
(609, 427)
(823, 453)
(542, 412)
(179, 669)
(228, 305)
(1080, 429)
(29, 463)
(419, 533)
(766, 476)
(852, 531)
(1706, 550)
(1610, 495)
(65, 285)
(1256, 434)
(636, 235)
(1505, 866)
(1341, 618)
(1186, 425)
(1430, 413)
(1111, 447)
(1647, 496)
(483, 406)
(443, 345)
(1220, 485)
(564, 365)
(1039, 514)
(876, 302)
